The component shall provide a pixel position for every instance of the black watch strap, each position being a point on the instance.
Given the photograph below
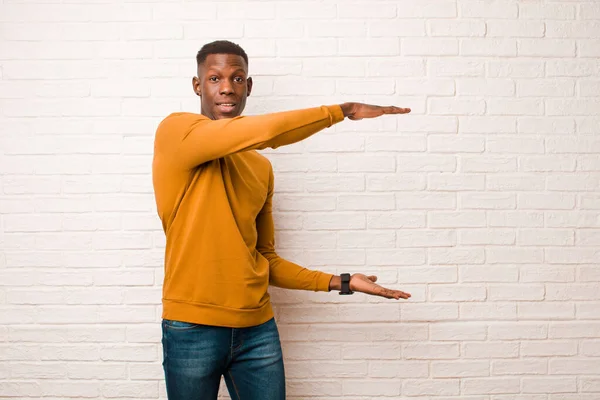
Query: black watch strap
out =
(346, 284)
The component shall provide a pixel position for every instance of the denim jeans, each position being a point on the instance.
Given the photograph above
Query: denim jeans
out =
(196, 356)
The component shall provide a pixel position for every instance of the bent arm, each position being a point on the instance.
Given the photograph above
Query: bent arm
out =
(284, 273)
(193, 139)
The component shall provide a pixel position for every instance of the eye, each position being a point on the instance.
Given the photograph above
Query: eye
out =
(238, 79)
(213, 79)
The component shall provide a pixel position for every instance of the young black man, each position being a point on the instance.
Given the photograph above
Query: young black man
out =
(214, 197)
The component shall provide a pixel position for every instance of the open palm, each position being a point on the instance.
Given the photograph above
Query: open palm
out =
(366, 284)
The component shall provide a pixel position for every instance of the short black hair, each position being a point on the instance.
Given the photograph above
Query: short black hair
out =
(220, 47)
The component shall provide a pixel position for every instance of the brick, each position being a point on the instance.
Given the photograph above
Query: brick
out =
(483, 311)
(488, 47)
(568, 219)
(396, 220)
(365, 202)
(390, 66)
(396, 257)
(501, 144)
(443, 256)
(429, 47)
(464, 219)
(457, 293)
(537, 273)
(455, 28)
(573, 329)
(436, 200)
(482, 200)
(574, 68)
(519, 367)
(425, 86)
(485, 87)
(428, 312)
(518, 330)
(488, 164)
(515, 107)
(541, 237)
(369, 239)
(453, 144)
(430, 351)
(400, 28)
(306, 47)
(518, 182)
(537, 125)
(503, 28)
(590, 348)
(450, 331)
(443, 106)
(547, 164)
(299, 10)
(427, 274)
(490, 350)
(589, 48)
(471, 386)
(553, 384)
(392, 369)
(486, 236)
(396, 182)
(369, 47)
(433, 163)
(426, 9)
(515, 69)
(446, 387)
(425, 238)
(546, 11)
(456, 67)
(370, 387)
(238, 10)
(365, 10)
(546, 48)
(546, 310)
(544, 348)
(455, 182)
(579, 29)
(489, 9)
(546, 88)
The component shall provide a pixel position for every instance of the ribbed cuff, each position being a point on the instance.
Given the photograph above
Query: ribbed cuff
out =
(337, 115)
(323, 282)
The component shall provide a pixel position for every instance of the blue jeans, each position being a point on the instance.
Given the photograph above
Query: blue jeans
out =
(196, 356)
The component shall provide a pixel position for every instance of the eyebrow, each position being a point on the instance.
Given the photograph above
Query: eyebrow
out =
(241, 69)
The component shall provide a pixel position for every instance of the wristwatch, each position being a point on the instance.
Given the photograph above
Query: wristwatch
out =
(346, 284)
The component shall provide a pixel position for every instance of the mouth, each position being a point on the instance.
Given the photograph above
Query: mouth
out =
(226, 107)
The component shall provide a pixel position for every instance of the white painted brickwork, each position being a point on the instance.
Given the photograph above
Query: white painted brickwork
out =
(484, 202)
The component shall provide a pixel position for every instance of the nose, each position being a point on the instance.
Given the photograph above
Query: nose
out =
(226, 87)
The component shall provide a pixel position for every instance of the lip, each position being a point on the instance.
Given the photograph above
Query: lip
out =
(226, 107)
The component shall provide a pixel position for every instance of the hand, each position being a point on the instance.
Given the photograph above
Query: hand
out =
(356, 111)
(366, 284)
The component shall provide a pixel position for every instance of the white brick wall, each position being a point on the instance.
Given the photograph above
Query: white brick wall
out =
(484, 202)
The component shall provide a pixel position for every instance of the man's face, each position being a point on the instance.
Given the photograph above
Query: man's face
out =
(222, 85)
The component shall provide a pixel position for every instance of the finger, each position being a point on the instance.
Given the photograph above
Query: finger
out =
(396, 110)
(372, 278)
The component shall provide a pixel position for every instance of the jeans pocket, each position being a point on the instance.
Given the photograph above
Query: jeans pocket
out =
(179, 325)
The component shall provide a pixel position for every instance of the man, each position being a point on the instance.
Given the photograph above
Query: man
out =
(214, 196)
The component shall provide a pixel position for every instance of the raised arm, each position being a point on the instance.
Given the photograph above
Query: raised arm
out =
(193, 139)
(189, 140)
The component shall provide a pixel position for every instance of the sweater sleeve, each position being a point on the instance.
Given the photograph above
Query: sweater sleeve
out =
(189, 140)
(283, 273)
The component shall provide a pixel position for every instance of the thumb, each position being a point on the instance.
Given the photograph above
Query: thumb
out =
(372, 278)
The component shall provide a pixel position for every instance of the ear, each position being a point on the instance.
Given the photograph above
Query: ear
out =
(249, 83)
(196, 86)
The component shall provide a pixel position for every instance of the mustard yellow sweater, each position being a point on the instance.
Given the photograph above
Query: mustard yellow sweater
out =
(214, 197)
